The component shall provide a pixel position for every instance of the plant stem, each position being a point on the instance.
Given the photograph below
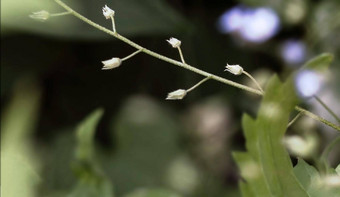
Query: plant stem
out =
(156, 55)
(131, 55)
(61, 14)
(113, 25)
(328, 149)
(198, 84)
(184, 65)
(294, 119)
(318, 118)
(181, 54)
(254, 80)
(327, 108)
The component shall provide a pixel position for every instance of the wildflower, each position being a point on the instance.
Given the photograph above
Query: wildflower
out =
(299, 146)
(174, 42)
(111, 63)
(234, 69)
(108, 12)
(176, 95)
(40, 16)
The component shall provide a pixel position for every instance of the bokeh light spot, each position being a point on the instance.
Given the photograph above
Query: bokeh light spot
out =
(253, 25)
(307, 83)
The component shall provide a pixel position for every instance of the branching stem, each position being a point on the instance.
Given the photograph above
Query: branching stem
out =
(327, 108)
(198, 84)
(184, 65)
(254, 80)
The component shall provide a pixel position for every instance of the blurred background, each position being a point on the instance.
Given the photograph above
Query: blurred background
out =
(51, 79)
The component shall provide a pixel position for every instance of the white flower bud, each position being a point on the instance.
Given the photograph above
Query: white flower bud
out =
(174, 42)
(108, 12)
(234, 69)
(111, 63)
(176, 95)
(40, 16)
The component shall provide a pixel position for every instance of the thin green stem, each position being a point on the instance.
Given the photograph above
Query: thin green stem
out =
(318, 118)
(328, 149)
(61, 14)
(254, 80)
(131, 55)
(184, 65)
(327, 108)
(113, 25)
(181, 54)
(198, 84)
(294, 119)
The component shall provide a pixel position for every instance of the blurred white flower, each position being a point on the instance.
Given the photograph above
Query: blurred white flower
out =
(299, 146)
(111, 63)
(40, 16)
(234, 69)
(174, 42)
(176, 95)
(108, 12)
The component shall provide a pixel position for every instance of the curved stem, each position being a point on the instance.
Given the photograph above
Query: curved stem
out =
(184, 65)
(294, 119)
(181, 54)
(328, 149)
(318, 118)
(61, 14)
(198, 84)
(327, 108)
(113, 24)
(253, 79)
(131, 55)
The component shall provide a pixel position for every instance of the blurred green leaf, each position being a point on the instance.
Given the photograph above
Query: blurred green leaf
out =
(91, 180)
(337, 169)
(245, 189)
(152, 193)
(19, 163)
(250, 170)
(305, 173)
(146, 138)
(133, 17)
(315, 184)
(267, 155)
(319, 63)
(85, 136)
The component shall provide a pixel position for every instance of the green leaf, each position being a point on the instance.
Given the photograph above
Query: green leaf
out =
(85, 136)
(19, 162)
(315, 184)
(337, 169)
(305, 173)
(319, 63)
(152, 193)
(252, 173)
(91, 180)
(263, 143)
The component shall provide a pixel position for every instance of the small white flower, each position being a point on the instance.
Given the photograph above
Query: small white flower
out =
(111, 63)
(176, 95)
(234, 69)
(108, 12)
(174, 42)
(298, 146)
(40, 16)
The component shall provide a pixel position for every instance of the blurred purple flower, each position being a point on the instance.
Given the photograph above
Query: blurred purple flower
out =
(254, 25)
(293, 51)
(307, 83)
